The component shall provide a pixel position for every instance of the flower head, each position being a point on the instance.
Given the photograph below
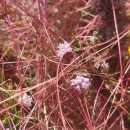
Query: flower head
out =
(63, 48)
(80, 82)
(103, 65)
(92, 39)
(25, 99)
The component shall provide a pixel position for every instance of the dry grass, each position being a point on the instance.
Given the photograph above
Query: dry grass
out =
(98, 31)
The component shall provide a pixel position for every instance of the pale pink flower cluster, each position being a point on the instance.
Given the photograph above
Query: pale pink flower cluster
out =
(92, 39)
(7, 129)
(104, 65)
(80, 83)
(63, 48)
(25, 99)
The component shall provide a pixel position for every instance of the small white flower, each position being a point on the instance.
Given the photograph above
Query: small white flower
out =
(97, 65)
(7, 129)
(80, 82)
(63, 48)
(92, 40)
(104, 65)
(25, 99)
